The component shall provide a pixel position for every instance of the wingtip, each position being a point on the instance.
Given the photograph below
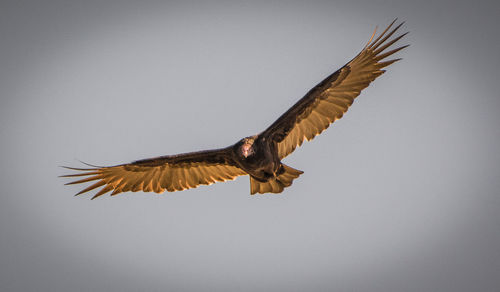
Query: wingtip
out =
(78, 169)
(384, 35)
(91, 165)
(79, 193)
(371, 38)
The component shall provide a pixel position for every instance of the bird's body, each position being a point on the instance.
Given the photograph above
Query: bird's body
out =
(258, 156)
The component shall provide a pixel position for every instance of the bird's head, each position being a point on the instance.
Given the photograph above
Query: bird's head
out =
(246, 148)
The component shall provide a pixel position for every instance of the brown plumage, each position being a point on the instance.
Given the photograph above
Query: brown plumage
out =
(260, 155)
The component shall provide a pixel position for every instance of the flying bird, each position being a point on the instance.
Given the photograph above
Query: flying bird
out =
(258, 156)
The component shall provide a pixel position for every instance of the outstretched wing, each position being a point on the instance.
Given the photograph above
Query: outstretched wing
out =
(331, 98)
(171, 173)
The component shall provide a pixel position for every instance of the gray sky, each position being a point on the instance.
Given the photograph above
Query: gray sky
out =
(402, 194)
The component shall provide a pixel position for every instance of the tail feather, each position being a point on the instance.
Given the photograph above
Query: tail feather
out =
(277, 184)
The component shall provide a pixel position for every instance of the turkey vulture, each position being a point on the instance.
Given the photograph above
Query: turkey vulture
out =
(260, 155)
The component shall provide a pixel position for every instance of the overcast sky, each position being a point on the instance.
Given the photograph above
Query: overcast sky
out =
(402, 194)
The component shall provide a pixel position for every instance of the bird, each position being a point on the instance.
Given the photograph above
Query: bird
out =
(259, 156)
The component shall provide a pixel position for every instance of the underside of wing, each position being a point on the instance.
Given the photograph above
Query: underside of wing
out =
(171, 173)
(331, 98)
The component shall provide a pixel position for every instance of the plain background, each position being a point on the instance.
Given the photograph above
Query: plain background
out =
(402, 194)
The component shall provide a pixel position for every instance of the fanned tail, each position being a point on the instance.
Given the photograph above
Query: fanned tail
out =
(277, 184)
